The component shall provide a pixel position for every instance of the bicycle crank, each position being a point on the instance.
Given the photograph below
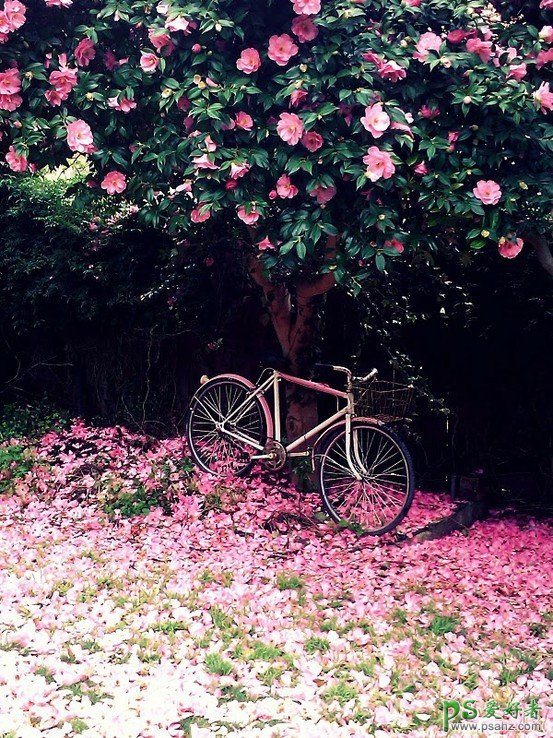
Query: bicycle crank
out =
(277, 453)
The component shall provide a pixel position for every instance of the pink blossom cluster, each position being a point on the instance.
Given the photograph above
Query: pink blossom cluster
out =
(10, 87)
(388, 69)
(12, 17)
(63, 80)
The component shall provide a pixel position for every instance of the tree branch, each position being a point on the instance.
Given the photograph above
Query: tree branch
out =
(255, 269)
(325, 282)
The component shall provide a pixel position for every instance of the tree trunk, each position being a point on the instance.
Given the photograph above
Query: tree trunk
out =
(543, 251)
(294, 318)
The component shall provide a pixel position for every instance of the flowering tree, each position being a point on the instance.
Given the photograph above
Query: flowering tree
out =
(341, 134)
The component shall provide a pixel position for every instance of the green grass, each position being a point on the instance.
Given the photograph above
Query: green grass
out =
(271, 675)
(15, 462)
(45, 672)
(266, 652)
(399, 616)
(220, 618)
(316, 644)
(442, 624)
(78, 725)
(169, 626)
(286, 580)
(366, 667)
(216, 664)
(234, 692)
(138, 502)
(342, 692)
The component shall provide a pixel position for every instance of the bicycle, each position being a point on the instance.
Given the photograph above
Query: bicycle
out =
(363, 468)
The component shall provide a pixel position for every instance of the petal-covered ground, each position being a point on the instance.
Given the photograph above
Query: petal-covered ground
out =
(142, 601)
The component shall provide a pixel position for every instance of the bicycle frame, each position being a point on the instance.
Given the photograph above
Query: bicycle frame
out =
(274, 381)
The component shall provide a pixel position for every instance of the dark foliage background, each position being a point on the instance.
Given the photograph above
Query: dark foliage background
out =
(117, 324)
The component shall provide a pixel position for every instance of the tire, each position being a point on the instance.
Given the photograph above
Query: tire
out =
(213, 451)
(380, 500)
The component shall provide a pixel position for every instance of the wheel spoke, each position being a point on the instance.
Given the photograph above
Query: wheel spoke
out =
(215, 450)
(380, 498)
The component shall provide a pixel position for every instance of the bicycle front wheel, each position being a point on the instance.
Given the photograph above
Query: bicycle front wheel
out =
(372, 490)
(228, 449)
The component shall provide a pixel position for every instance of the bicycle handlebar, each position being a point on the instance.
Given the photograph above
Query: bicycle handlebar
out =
(335, 368)
(368, 376)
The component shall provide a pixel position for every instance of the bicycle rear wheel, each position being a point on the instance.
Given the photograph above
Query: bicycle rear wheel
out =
(213, 449)
(377, 493)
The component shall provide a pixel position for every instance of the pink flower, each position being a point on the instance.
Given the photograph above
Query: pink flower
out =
(249, 61)
(282, 49)
(238, 170)
(180, 24)
(265, 244)
(114, 182)
(546, 4)
(64, 79)
(16, 162)
(488, 191)
(203, 162)
(509, 249)
(296, 97)
(161, 42)
(544, 97)
(10, 82)
(125, 104)
(375, 120)
(517, 72)
(427, 42)
(14, 13)
(198, 217)
(546, 34)
(457, 36)
(421, 169)
(110, 60)
(210, 144)
(248, 218)
(323, 194)
(391, 71)
(394, 244)
(430, 113)
(149, 62)
(58, 3)
(452, 137)
(403, 127)
(379, 164)
(53, 97)
(483, 49)
(307, 7)
(285, 188)
(10, 102)
(290, 128)
(304, 28)
(543, 58)
(79, 137)
(244, 121)
(85, 52)
(312, 140)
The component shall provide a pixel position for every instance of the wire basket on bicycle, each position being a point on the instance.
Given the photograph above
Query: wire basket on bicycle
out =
(385, 400)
